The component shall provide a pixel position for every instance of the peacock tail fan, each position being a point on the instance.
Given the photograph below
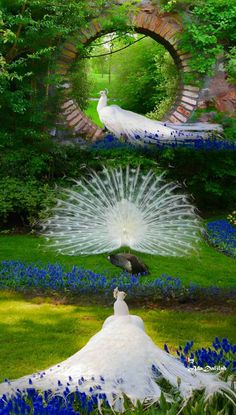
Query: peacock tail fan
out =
(123, 207)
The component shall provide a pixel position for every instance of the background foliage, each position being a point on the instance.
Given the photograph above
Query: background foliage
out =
(31, 165)
(31, 35)
(144, 76)
(30, 175)
(209, 30)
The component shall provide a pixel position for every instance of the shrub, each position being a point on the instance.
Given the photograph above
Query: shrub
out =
(232, 218)
(21, 202)
(28, 174)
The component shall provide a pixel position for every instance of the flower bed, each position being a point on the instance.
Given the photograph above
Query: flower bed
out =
(110, 142)
(222, 354)
(79, 281)
(36, 403)
(222, 235)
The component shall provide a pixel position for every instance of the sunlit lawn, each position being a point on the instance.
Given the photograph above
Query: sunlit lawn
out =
(92, 113)
(207, 267)
(35, 335)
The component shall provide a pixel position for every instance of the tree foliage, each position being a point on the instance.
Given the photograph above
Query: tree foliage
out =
(31, 34)
(231, 65)
(144, 76)
(30, 175)
(209, 29)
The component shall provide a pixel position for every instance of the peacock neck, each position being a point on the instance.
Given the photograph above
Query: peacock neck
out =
(102, 103)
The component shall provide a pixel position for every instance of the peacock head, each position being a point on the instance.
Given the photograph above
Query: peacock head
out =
(103, 93)
(119, 294)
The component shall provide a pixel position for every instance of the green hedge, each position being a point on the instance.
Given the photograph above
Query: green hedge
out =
(28, 176)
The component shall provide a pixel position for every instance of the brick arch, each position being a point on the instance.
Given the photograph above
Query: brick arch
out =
(164, 28)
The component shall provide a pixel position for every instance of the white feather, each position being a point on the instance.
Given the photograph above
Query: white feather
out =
(128, 124)
(124, 355)
(118, 208)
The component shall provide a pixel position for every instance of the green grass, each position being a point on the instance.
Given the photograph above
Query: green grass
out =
(37, 333)
(99, 83)
(92, 113)
(207, 267)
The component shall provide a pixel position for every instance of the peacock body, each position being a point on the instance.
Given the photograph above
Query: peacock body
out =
(137, 128)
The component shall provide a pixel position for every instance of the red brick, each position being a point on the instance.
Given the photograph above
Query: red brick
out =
(97, 26)
(92, 30)
(166, 27)
(92, 130)
(190, 94)
(158, 26)
(187, 69)
(172, 32)
(98, 135)
(181, 117)
(189, 101)
(61, 70)
(69, 55)
(82, 38)
(70, 46)
(183, 111)
(73, 114)
(86, 32)
(79, 124)
(184, 55)
(174, 39)
(187, 106)
(67, 104)
(139, 19)
(174, 119)
(191, 88)
(147, 21)
(155, 21)
(70, 109)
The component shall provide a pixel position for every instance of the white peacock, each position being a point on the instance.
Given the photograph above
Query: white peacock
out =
(123, 207)
(139, 129)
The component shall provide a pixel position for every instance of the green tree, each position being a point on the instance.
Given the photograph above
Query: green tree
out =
(145, 75)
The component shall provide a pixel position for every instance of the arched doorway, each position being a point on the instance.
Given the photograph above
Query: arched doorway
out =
(165, 29)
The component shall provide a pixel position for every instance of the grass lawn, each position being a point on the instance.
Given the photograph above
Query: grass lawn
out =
(92, 113)
(99, 83)
(35, 334)
(207, 267)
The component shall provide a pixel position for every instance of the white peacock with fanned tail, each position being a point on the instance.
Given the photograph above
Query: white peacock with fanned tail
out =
(123, 207)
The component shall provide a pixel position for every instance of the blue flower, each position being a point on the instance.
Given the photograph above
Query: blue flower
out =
(166, 348)
(209, 357)
(222, 235)
(54, 277)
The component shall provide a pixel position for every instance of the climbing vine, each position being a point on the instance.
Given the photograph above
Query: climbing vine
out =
(209, 30)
